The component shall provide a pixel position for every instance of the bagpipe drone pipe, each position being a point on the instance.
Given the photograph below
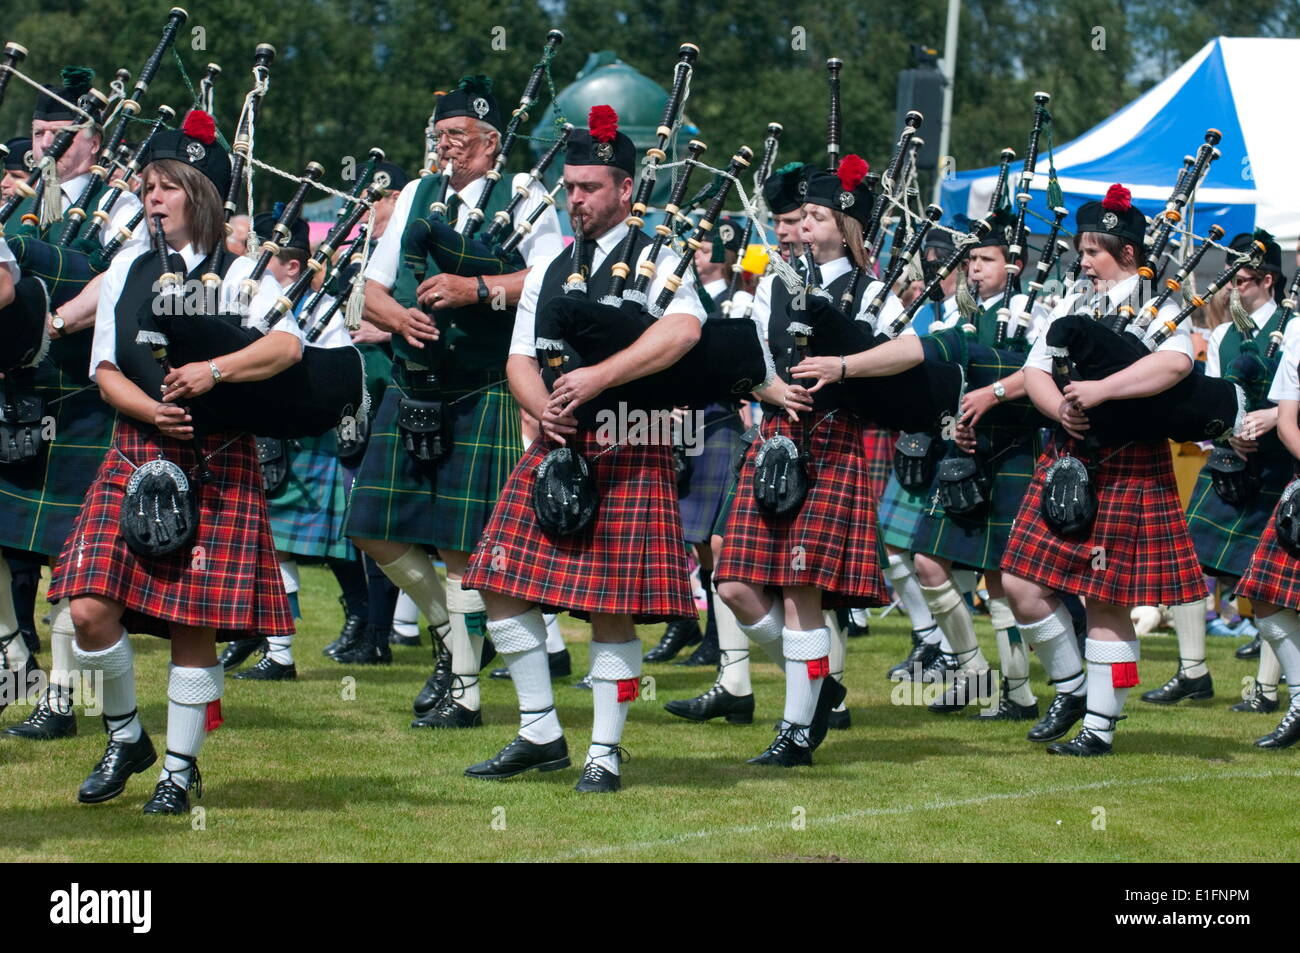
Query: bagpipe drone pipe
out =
(1196, 408)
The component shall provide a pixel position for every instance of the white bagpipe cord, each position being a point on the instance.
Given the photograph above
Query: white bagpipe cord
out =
(261, 83)
(356, 305)
(52, 195)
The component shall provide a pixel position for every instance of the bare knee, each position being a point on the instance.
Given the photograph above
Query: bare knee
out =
(98, 622)
(930, 572)
(745, 600)
(612, 628)
(1030, 601)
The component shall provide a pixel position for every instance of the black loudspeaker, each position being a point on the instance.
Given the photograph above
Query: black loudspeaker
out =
(922, 89)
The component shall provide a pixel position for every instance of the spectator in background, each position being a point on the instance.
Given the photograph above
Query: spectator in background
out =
(237, 240)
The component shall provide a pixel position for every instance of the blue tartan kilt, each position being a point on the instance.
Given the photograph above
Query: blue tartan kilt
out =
(394, 498)
(710, 473)
(307, 515)
(40, 500)
(901, 512)
(979, 544)
(1226, 537)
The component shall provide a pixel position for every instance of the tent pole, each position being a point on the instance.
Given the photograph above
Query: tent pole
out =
(949, 72)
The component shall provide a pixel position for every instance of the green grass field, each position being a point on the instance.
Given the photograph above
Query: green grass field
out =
(303, 771)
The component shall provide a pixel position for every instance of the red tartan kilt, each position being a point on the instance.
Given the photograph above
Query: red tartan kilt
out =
(1274, 574)
(1138, 553)
(831, 542)
(879, 446)
(233, 585)
(631, 560)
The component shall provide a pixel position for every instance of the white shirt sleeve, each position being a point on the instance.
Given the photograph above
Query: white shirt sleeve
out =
(125, 207)
(268, 291)
(545, 240)
(104, 344)
(522, 341)
(762, 312)
(8, 261)
(890, 310)
(1038, 356)
(1213, 366)
(1286, 383)
(686, 300)
(336, 332)
(387, 254)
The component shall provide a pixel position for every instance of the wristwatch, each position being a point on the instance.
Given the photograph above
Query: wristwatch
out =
(216, 372)
(482, 290)
(57, 323)
(999, 391)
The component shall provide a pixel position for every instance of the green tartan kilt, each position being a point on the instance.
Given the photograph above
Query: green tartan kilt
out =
(393, 499)
(1226, 537)
(900, 513)
(724, 509)
(306, 516)
(40, 500)
(979, 544)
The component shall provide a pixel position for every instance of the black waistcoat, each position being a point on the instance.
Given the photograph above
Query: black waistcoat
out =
(139, 291)
(781, 341)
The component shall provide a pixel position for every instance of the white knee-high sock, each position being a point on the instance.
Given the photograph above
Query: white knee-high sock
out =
(1053, 639)
(1282, 631)
(615, 684)
(414, 573)
(189, 692)
(15, 654)
(406, 615)
(1112, 671)
(464, 607)
(554, 637)
(1189, 625)
(954, 618)
(838, 651)
(806, 666)
(901, 574)
(117, 662)
(63, 635)
(280, 648)
(521, 640)
(1013, 655)
(1269, 671)
(733, 647)
(766, 632)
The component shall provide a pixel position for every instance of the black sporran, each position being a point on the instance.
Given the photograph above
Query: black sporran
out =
(422, 424)
(780, 476)
(351, 436)
(565, 496)
(916, 458)
(273, 457)
(1069, 500)
(964, 487)
(1236, 480)
(21, 431)
(159, 514)
(1287, 521)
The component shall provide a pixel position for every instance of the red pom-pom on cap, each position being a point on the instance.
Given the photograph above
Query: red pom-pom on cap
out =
(1118, 199)
(852, 170)
(603, 123)
(199, 125)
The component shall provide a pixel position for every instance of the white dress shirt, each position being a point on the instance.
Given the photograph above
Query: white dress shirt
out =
(1260, 316)
(104, 347)
(685, 301)
(544, 240)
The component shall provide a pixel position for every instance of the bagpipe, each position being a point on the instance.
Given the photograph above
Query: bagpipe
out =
(728, 361)
(774, 130)
(1160, 236)
(1196, 408)
(1019, 237)
(126, 110)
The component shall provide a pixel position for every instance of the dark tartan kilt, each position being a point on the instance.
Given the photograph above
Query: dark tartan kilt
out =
(831, 543)
(1138, 552)
(394, 499)
(724, 509)
(1273, 574)
(1226, 537)
(306, 516)
(39, 500)
(879, 446)
(901, 512)
(629, 561)
(980, 543)
(710, 473)
(234, 585)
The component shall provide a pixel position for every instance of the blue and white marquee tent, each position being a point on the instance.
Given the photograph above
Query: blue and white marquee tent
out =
(1242, 87)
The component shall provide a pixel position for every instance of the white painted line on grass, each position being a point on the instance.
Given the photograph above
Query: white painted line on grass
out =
(585, 852)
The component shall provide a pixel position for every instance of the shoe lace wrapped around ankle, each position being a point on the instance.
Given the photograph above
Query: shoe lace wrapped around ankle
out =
(192, 766)
(591, 770)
